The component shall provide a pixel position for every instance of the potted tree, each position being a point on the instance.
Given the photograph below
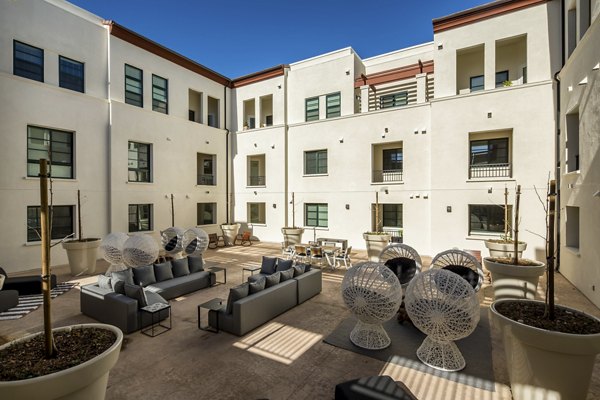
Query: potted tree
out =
(550, 350)
(504, 246)
(71, 362)
(376, 240)
(292, 234)
(82, 252)
(230, 232)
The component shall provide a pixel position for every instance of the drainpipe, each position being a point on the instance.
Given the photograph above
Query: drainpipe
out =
(227, 205)
(557, 137)
(108, 27)
(285, 146)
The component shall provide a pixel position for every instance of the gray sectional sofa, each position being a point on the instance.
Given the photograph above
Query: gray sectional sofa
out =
(108, 304)
(258, 308)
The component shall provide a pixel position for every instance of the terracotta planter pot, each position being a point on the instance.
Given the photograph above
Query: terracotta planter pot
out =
(84, 381)
(82, 255)
(514, 281)
(292, 236)
(504, 249)
(230, 232)
(543, 364)
(375, 244)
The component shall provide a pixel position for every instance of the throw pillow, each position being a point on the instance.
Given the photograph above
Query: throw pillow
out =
(144, 276)
(137, 293)
(268, 265)
(257, 285)
(287, 274)
(282, 265)
(180, 267)
(119, 287)
(195, 264)
(236, 293)
(2, 278)
(104, 282)
(163, 271)
(298, 270)
(125, 275)
(272, 279)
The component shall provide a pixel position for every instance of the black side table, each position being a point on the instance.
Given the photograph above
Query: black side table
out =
(215, 305)
(155, 309)
(219, 269)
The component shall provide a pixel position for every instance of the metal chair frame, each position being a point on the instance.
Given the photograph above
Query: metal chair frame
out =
(459, 257)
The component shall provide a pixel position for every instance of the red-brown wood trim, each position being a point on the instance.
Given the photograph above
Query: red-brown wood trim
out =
(258, 76)
(409, 71)
(144, 43)
(481, 12)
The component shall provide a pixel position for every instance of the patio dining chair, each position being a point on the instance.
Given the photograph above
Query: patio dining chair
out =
(287, 252)
(215, 241)
(243, 238)
(316, 254)
(300, 253)
(343, 256)
(461, 263)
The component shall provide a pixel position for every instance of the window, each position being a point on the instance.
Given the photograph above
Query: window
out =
(139, 161)
(501, 77)
(55, 146)
(269, 120)
(315, 162)
(392, 215)
(62, 222)
(207, 213)
(28, 61)
(487, 218)
(134, 86)
(476, 83)
(256, 170)
(572, 153)
(256, 213)
(392, 159)
(489, 158)
(312, 109)
(206, 173)
(70, 74)
(334, 102)
(572, 227)
(393, 100)
(315, 214)
(160, 94)
(140, 217)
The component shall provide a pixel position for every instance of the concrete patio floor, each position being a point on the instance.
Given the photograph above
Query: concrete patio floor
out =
(284, 359)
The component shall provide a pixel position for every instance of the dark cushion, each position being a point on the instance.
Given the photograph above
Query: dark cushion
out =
(180, 267)
(272, 279)
(467, 273)
(298, 269)
(3, 272)
(144, 276)
(286, 275)
(405, 268)
(136, 292)
(236, 293)
(163, 271)
(258, 284)
(268, 265)
(170, 246)
(195, 264)
(119, 287)
(125, 275)
(282, 265)
(307, 267)
(104, 282)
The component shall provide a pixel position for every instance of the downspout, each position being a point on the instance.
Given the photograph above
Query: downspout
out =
(227, 210)
(557, 137)
(108, 27)
(285, 147)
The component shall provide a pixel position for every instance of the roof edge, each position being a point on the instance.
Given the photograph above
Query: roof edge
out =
(259, 76)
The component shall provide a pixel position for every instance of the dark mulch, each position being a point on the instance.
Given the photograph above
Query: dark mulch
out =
(509, 261)
(26, 360)
(566, 321)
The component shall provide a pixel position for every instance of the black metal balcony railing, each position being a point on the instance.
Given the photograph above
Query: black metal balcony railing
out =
(387, 175)
(255, 180)
(204, 179)
(503, 170)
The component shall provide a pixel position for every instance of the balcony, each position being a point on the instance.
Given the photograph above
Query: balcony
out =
(256, 180)
(387, 175)
(204, 179)
(503, 170)
(394, 232)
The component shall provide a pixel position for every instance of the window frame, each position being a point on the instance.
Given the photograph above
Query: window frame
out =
(51, 155)
(55, 234)
(129, 100)
(317, 218)
(391, 100)
(501, 83)
(137, 170)
(262, 213)
(398, 212)
(318, 162)
(476, 88)
(488, 160)
(384, 160)
(312, 117)
(491, 208)
(80, 87)
(138, 219)
(328, 108)
(19, 68)
(156, 102)
(213, 213)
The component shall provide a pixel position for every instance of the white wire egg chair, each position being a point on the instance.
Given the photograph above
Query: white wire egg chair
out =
(195, 242)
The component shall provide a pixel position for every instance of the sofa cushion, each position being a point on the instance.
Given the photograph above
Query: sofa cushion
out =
(287, 274)
(180, 267)
(144, 276)
(163, 271)
(125, 275)
(258, 284)
(137, 293)
(236, 293)
(298, 270)
(3, 272)
(268, 265)
(104, 282)
(2, 278)
(195, 264)
(273, 279)
(119, 287)
(282, 265)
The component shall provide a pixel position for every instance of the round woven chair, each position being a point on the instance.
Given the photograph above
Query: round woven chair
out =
(403, 260)
(461, 263)
(171, 239)
(195, 242)
(373, 293)
(111, 249)
(445, 307)
(140, 250)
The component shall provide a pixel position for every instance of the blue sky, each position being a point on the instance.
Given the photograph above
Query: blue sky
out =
(236, 38)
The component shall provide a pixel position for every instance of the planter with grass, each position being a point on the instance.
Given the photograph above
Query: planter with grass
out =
(376, 242)
(230, 232)
(292, 235)
(83, 252)
(510, 281)
(504, 247)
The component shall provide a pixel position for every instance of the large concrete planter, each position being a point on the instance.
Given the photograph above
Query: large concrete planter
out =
(85, 381)
(82, 255)
(292, 236)
(504, 249)
(230, 232)
(375, 244)
(543, 364)
(514, 281)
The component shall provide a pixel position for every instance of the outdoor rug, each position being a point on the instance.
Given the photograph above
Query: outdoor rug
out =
(406, 339)
(31, 302)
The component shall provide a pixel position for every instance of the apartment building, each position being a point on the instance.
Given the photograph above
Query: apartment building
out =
(433, 134)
